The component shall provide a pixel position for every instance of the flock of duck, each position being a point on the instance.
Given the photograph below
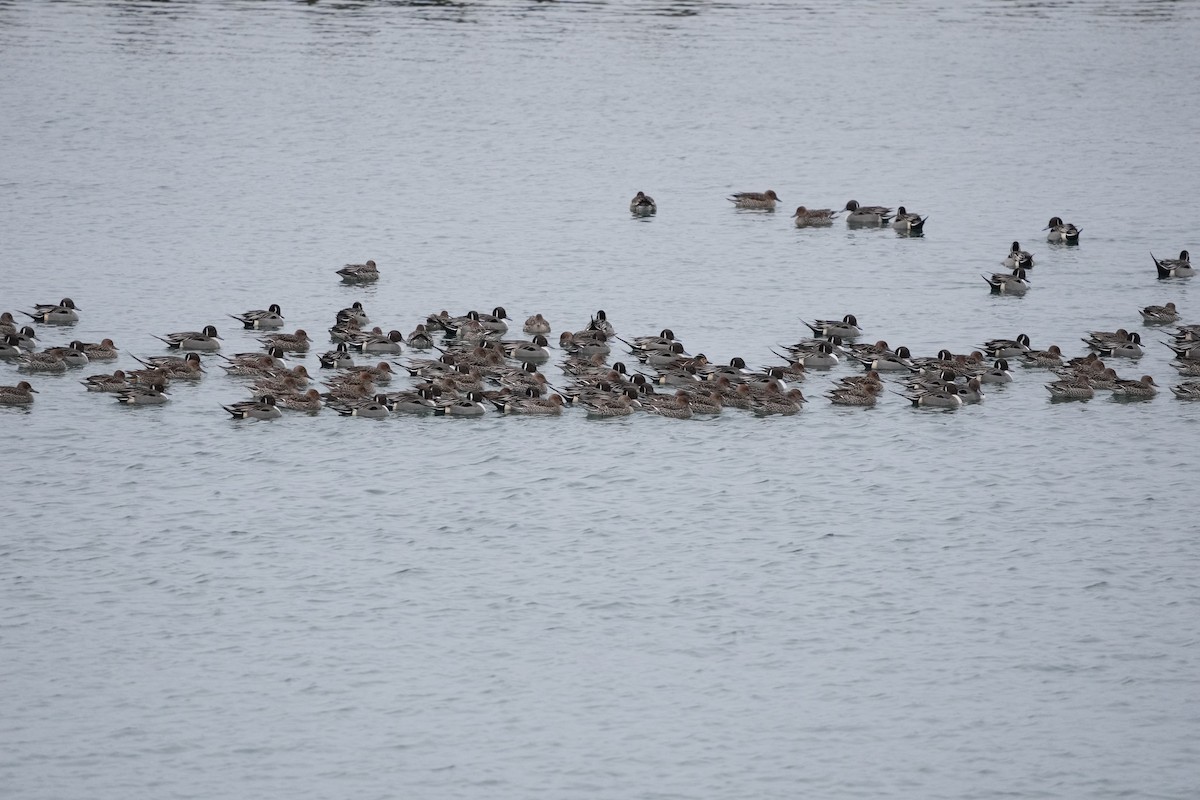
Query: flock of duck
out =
(468, 366)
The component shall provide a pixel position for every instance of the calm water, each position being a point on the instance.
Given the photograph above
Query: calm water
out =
(997, 602)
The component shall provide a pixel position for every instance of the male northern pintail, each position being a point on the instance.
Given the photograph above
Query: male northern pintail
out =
(60, 313)
(1141, 389)
(1062, 233)
(359, 273)
(585, 348)
(936, 398)
(867, 216)
(1118, 344)
(1016, 283)
(997, 373)
(531, 351)
(536, 324)
(1006, 348)
(1018, 258)
(642, 205)
(1159, 315)
(472, 406)
(338, 358)
(421, 400)
(153, 395)
(376, 341)
(297, 342)
(73, 356)
(263, 407)
(762, 201)
(375, 408)
(495, 321)
(845, 328)
(354, 314)
(1175, 267)
(261, 319)
(908, 222)
(205, 340)
(814, 217)
(19, 395)
(898, 361)
(10, 348)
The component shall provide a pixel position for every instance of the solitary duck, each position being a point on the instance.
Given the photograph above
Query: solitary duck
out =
(260, 408)
(1015, 283)
(61, 313)
(1062, 233)
(359, 273)
(907, 222)
(1159, 315)
(814, 217)
(867, 216)
(1018, 258)
(19, 395)
(260, 319)
(642, 205)
(205, 340)
(1175, 267)
(761, 201)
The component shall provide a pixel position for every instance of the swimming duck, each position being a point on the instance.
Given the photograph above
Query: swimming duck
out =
(8, 323)
(604, 408)
(1175, 267)
(1006, 348)
(41, 362)
(642, 205)
(418, 401)
(495, 321)
(568, 342)
(867, 216)
(1018, 258)
(353, 313)
(1062, 233)
(1050, 357)
(938, 398)
(106, 383)
(677, 406)
(1142, 389)
(530, 405)
(61, 313)
(1070, 390)
(260, 408)
(472, 406)
(376, 341)
(375, 408)
(310, 401)
(359, 273)
(846, 328)
(297, 342)
(19, 395)
(1159, 315)
(814, 217)
(762, 201)
(10, 348)
(205, 340)
(72, 356)
(851, 397)
(535, 325)
(533, 352)
(1188, 390)
(338, 358)
(907, 222)
(1015, 284)
(153, 395)
(104, 350)
(420, 338)
(972, 392)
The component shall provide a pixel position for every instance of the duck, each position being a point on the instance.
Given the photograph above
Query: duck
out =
(353, 313)
(1006, 348)
(1071, 390)
(814, 217)
(1188, 390)
(19, 395)
(420, 338)
(972, 392)
(297, 342)
(642, 205)
(535, 325)
(64, 312)
(153, 395)
(532, 351)
(10, 348)
(338, 358)
(310, 401)
(908, 222)
(760, 201)
(41, 362)
(375, 408)
(72, 356)
(776, 402)
(260, 408)
(205, 340)
(104, 350)
(998, 373)
(376, 341)
(937, 398)
(26, 339)
(1141, 389)
(846, 328)
(608, 407)
(1159, 315)
(1175, 267)
(106, 383)
(676, 406)
(843, 396)
(8, 323)
(530, 405)
(867, 216)
(359, 273)
(1015, 284)
(1018, 258)
(261, 319)
(1050, 357)
(1062, 233)
(186, 367)
(568, 343)
(472, 406)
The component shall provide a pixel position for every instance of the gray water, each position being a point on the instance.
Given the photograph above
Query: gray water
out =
(995, 602)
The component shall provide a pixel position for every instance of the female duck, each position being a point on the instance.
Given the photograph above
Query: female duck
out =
(642, 205)
(814, 217)
(359, 273)
(1160, 315)
(759, 201)
(19, 395)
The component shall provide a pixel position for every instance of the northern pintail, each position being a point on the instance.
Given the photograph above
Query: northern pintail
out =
(846, 328)
(662, 341)
(472, 406)
(41, 362)
(19, 395)
(420, 338)
(972, 392)
(997, 373)
(568, 343)
(1159, 315)
(532, 351)
(10, 348)
(73, 356)
(353, 313)
(8, 323)
(261, 408)
(1188, 390)
(598, 327)
(153, 395)
(60, 313)
(376, 341)
(1017, 258)
(775, 402)
(359, 273)
(1141, 389)
(677, 406)
(1006, 348)
(938, 398)
(642, 205)
(1062, 233)
(205, 340)
(814, 217)
(106, 383)
(535, 325)
(338, 358)
(898, 361)
(261, 319)
(1118, 344)
(104, 350)
(851, 397)
(310, 401)
(375, 408)
(604, 408)
(186, 367)
(1015, 284)
(908, 222)
(297, 342)
(417, 401)
(1050, 357)
(26, 339)
(867, 216)
(761, 201)
(494, 322)
(1079, 389)
(530, 405)
(1175, 267)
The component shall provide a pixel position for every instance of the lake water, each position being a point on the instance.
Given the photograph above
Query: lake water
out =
(996, 602)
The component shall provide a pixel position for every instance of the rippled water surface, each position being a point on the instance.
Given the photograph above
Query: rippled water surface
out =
(995, 602)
